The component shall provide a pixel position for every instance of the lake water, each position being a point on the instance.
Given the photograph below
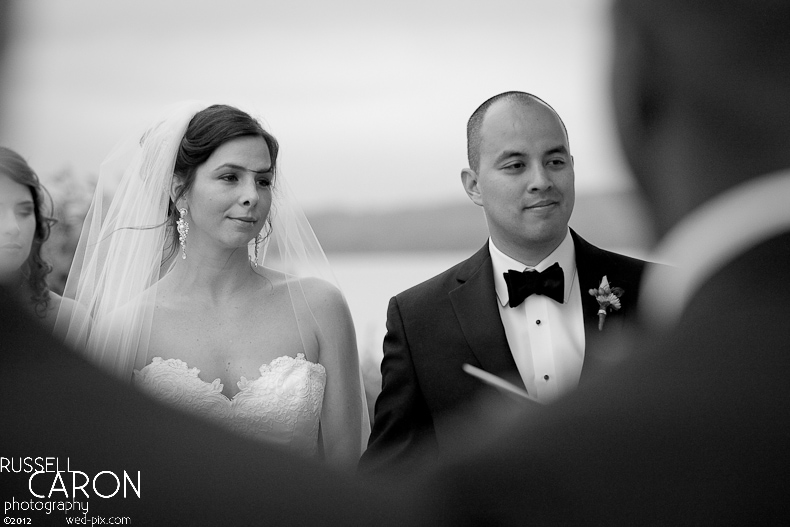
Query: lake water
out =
(369, 280)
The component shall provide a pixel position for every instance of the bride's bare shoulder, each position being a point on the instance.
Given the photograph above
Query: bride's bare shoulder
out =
(128, 309)
(316, 291)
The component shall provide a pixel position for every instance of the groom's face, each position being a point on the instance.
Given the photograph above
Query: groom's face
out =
(525, 181)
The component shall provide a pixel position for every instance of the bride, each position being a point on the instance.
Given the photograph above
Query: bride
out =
(207, 287)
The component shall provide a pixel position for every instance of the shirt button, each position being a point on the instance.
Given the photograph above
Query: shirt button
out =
(537, 322)
(545, 377)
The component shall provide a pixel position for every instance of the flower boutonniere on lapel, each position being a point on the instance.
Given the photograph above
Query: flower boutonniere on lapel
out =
(608, 299)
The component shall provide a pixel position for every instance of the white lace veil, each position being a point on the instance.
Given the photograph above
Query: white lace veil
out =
(125, 240)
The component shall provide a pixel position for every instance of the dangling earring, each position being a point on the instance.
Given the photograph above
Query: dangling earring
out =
(258, 240)
(182, 226)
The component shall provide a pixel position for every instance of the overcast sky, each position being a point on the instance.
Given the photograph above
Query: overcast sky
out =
(369, 100)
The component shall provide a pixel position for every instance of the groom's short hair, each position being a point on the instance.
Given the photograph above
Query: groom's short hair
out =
(474, 125)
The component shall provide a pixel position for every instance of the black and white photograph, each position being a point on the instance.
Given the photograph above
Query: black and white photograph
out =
(411, 263)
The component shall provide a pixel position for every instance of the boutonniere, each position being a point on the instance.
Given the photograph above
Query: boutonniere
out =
(608, 299)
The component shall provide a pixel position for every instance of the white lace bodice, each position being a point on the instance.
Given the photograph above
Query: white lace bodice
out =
(282, 406)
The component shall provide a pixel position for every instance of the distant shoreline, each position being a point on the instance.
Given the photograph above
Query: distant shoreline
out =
(612, 221)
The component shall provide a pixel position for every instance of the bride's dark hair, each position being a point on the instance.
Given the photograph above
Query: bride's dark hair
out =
(208, 130)
(35, 269)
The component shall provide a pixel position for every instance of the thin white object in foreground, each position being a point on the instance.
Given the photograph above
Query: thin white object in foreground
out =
(498, 383)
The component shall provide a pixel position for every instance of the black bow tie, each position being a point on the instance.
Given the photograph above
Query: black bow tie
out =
(550, 283)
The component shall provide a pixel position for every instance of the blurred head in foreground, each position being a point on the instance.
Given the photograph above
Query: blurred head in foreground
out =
(700, 96)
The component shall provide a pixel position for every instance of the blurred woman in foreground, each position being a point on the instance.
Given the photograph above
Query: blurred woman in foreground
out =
(24, 227)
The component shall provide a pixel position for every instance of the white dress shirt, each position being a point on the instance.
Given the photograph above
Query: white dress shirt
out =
(708, 238)
(545, 337)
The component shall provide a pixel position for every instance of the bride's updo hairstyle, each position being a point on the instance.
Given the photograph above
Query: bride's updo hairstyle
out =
(35, 269)
(208, 130)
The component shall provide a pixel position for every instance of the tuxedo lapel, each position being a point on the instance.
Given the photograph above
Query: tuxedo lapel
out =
(591, 267)
(592, 264)
(475, 304)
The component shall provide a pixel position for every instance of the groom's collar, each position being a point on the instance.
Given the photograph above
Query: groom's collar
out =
(564, 255)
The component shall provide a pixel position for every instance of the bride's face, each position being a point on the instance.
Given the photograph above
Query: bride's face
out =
(17, 224)
(232, 193)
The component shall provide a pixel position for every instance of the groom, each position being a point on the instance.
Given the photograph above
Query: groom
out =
(519, 308)
(693, 428)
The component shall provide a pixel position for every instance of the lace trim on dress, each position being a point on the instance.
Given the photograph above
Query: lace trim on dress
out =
(282, 406)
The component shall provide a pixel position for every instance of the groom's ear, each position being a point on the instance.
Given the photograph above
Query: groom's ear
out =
(469, 179)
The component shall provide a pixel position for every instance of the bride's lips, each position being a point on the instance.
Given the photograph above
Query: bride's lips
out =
(11, 245)
(245, 220)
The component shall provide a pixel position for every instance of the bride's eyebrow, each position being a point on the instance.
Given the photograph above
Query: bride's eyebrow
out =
(244, 169)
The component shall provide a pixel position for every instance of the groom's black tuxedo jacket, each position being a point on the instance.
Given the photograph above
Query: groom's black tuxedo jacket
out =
(452, 319)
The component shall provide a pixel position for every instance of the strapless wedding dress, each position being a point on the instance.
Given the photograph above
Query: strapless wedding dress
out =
(282, 406)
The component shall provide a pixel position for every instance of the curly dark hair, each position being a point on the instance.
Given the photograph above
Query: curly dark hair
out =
(35, 269)
(208, 130)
